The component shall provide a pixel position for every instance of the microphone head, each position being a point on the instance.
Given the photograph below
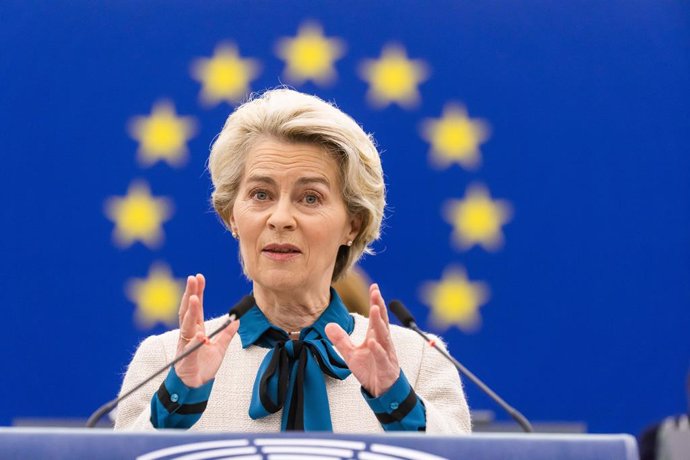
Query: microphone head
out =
(402, 313)
(241, 307)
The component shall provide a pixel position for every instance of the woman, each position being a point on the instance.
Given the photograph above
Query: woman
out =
(300, 186)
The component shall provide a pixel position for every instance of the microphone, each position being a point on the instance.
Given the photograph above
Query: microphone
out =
(234, 314)
(407, 320)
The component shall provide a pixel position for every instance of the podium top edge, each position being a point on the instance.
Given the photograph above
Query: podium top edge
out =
(174, 432)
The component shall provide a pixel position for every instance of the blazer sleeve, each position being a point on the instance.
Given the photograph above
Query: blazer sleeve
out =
(134, 413)
(438, 384)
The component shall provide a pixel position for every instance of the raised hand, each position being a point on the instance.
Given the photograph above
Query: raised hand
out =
(203, 364)
(374, 362)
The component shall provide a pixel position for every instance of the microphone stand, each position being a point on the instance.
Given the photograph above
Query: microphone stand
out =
(407, 320)
(235, 313)
(514, 413)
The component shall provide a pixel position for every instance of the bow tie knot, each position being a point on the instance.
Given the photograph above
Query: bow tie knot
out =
(294, 368)
(290, 368)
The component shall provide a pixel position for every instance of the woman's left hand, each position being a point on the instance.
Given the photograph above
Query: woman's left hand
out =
(374, 362)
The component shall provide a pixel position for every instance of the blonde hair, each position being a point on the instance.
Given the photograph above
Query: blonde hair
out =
(290, 116)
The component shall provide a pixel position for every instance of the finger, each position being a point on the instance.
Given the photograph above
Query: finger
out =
(377, 299)
(224, 338)
(380, 328)
(198, 337)
(184, 303)
(192, 319)
(380, 356)
(386, 370)
(380, 331)
(201, 285)
(341, 341)
(188, 338)
(374, 315)
(201, 337)
(198, 282)
(182, 367)
(182, 342)
(199, 313)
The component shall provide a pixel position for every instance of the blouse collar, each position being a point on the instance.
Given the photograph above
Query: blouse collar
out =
(254, 323)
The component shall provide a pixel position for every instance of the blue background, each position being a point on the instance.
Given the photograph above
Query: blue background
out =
(588, 104)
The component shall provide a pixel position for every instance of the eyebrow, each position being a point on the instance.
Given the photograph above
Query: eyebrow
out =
(301, 181)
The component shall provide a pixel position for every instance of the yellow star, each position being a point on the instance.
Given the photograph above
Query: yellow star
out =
(477, 219)
(455, 300)
(138, 216)
(225, 76)
(162, 135)
(310, 55)
(455, 137)
(394, 78)
(156, 297)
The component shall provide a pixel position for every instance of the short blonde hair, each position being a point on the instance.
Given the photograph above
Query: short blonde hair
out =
(290, 116)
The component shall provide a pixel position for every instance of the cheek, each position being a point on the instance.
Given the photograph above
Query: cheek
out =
(328, 232)
(243, 217)
(246, 227)
(248, 258)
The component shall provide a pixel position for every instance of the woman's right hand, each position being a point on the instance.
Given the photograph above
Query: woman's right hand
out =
(202, 365)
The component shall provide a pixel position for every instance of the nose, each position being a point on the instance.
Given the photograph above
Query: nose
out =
(282, 215)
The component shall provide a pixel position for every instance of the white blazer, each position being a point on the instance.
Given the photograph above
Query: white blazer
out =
(433, 378)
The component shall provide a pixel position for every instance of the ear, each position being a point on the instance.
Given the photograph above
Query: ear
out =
(355, 227)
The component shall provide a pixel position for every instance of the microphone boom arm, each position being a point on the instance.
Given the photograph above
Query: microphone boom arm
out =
(407, 320)
(110, 405)
(238, 310)
(517, 416)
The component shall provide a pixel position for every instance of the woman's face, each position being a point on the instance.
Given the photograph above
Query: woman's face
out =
(290, 216)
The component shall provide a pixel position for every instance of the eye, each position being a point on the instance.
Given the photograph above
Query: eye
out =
(260, 195)
(311, 198)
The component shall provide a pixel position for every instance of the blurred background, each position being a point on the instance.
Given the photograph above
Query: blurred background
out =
(536, 155)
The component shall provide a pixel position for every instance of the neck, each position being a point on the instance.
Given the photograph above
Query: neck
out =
(291, 312)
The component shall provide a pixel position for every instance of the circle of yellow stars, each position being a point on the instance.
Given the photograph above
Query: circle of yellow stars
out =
(393, 78)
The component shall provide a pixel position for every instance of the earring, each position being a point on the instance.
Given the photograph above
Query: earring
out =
(234, 234)
(349, 243)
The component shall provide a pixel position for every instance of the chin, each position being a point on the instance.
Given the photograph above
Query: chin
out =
(279, 280)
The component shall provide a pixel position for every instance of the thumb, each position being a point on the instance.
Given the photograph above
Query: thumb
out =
(341, 341)
(225, 337)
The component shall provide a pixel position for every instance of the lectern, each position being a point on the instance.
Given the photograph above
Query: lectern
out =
(187, 445)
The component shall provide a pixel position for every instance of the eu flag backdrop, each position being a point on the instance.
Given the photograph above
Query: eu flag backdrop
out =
(536, 155)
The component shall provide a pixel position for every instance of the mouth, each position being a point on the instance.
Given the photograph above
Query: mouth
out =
(281, 251)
